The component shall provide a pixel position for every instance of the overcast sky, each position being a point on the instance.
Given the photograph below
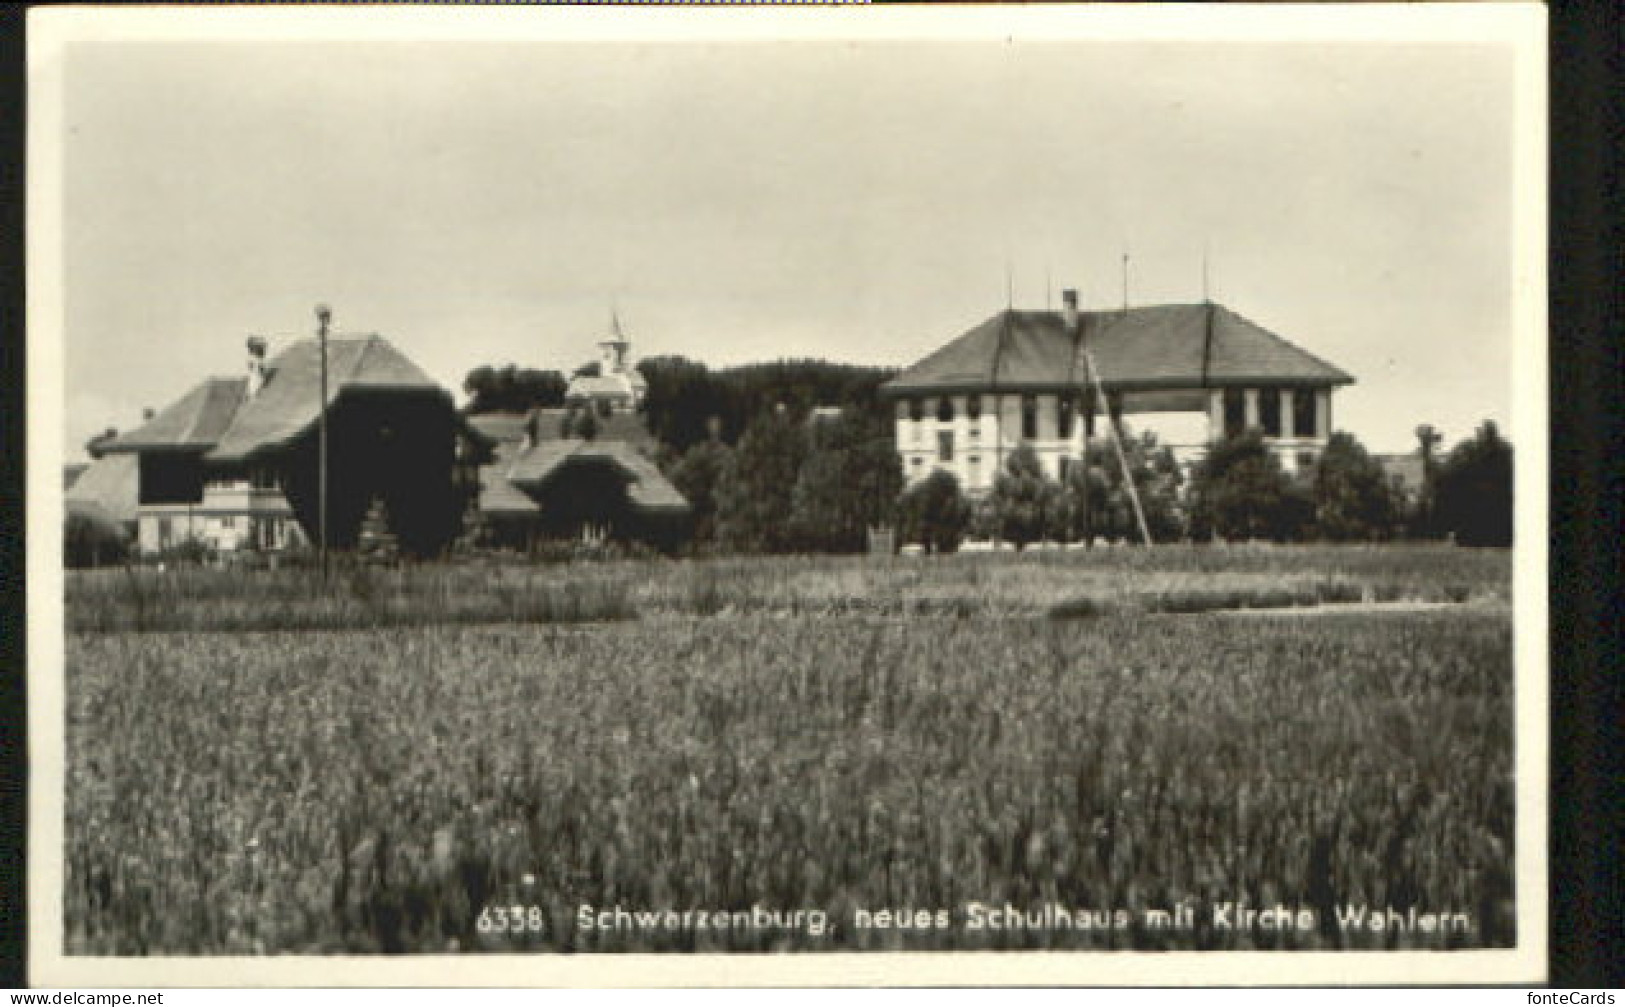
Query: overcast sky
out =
(489, 203)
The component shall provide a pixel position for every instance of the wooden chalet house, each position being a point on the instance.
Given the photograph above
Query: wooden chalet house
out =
(234, 462)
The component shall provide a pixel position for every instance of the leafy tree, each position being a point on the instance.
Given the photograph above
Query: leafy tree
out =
(682, 401)
(577, 421)
(697, 475)
(754, 497)
(1025, 502)
(1240, 492)
(1067, 521)
(685, 400)
(1157, 480)
(1353, 499)
(935, 513)
(510, 389)
(92, 541)
(1427, 440)
(586, 426)
(849, 483)
(1474, 490)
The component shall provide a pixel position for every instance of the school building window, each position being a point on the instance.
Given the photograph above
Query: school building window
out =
(1269, 411)
(1303, 413)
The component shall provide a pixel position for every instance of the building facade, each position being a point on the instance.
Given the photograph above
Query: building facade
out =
(235, 513)
(1050, 380)
(237, 463)
(616, 386)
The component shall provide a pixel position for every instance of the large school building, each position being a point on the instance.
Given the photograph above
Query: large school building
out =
(1043, 377)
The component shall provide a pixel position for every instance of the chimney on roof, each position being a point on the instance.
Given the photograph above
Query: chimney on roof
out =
(1069, 310)
(256, 365)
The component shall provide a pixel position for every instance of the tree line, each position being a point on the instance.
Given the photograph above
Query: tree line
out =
(791, 485)
(765, 473)
(1238, 492)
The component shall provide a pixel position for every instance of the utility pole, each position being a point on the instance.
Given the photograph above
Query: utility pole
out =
(1087, 400)
(1125, 283)
(324, 316)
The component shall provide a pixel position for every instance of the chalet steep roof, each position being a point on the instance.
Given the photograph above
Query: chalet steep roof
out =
(221, 420)
(108, 488)
(620, 425)
(195, 422)
(1153, 348)
(620, 437)
(646, 487)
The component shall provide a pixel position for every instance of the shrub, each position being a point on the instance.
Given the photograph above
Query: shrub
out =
(935, 513)
(1474, 490)
(1353, 498)
(1240, 492)
(89, 541)
(1026, 504)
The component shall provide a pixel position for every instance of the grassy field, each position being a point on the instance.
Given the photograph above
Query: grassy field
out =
(466, 750)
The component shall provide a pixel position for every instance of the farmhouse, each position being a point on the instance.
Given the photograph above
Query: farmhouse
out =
(548, 478)
(234, 462)
(1036, 377)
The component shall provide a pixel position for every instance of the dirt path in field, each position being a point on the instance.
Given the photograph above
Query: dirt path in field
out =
(1487, 606)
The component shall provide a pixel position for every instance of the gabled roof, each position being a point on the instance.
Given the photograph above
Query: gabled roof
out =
(606, 385)
(110, 487)
(620, 425)
(286, 406)
(646, 488)
(219, 418)
(193, 423)
(1160, 347)
(498, 495)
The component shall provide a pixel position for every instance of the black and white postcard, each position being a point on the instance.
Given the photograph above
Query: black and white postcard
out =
(951, 495)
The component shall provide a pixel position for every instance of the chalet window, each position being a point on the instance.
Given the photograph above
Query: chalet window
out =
(1065, 468)
(945, 409)
(1029, 417)
(1269, 411)
(263, 478)
(1235, 411)
(945, 446)
(916, 461)
(916, 409)
(1066, 414)
(973, 406)
(228, 522)
(165, 530)
(1303, 413)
